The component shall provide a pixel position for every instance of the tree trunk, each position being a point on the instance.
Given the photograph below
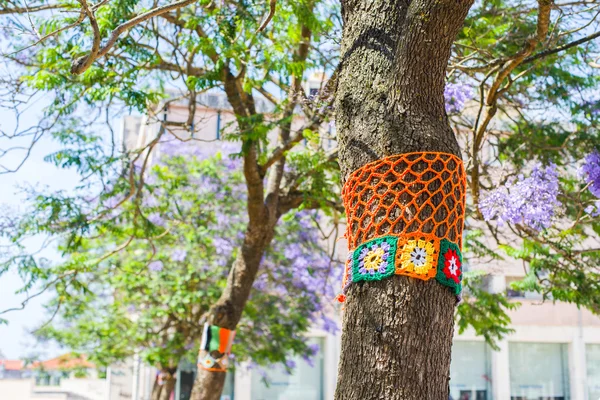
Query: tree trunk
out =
(164, 384)
(227, 312)
(264, 211)
(397, 333)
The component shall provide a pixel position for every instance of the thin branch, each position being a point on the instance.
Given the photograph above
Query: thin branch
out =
(272, 6)
(42, 291)
(51, 34)
(81, 64)
(498, 87)
(328, 91)
(23, 10)
(96, 43)
(558, 49)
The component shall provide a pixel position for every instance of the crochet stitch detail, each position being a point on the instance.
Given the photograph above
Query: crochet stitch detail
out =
(418, 199)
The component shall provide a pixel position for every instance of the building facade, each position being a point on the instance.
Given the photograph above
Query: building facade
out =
(553, 354)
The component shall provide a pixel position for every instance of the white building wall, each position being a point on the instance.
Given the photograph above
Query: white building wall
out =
(25, 389)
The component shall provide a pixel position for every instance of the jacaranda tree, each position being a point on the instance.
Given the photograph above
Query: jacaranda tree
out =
(153, 298)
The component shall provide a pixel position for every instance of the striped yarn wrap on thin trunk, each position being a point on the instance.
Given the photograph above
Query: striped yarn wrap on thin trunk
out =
(215, 348)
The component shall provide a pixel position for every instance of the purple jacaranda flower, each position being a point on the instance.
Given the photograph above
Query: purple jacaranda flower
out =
(155, 266)
(593, 209)
(178, 255)
(329, 325)
(291, 252)
(113, 201)
(291, 364)
(150, 201)
(531, 201)
(300, 262)
(590, 171)
(222, 246)
(455, 96)
(313, 349)
(156, 219)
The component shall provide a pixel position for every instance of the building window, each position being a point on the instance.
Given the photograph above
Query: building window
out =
(592, 352)
(470, 371)
(305, 383)
(539, 371)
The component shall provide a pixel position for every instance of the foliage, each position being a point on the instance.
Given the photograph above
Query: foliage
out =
(532, 122)
(484, 311)
(153, 296)
(519, 94)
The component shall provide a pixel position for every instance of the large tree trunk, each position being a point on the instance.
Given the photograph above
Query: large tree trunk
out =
(397, 333)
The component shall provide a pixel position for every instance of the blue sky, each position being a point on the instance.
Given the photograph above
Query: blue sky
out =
(15, 341)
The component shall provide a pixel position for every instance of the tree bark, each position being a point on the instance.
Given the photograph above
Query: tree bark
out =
(162, 388)
(397, 333)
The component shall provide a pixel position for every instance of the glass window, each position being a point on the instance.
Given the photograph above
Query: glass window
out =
(470, 374)
(593, 370)
(305, 383)
(539, 371)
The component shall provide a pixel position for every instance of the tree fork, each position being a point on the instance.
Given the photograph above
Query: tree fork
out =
(397, 333)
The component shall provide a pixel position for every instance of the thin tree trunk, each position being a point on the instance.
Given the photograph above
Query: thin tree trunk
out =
(397, 333)
(227, 311)
(264, 211)
(163, 387)
(168, 387)
(156, 388)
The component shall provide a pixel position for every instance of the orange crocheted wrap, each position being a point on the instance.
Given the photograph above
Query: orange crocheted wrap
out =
(399, 210)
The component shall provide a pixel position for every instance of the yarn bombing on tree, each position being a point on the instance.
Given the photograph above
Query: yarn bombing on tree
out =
(215, 348)
(405, 216)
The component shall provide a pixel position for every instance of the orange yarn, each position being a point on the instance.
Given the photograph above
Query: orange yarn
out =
(417, 197)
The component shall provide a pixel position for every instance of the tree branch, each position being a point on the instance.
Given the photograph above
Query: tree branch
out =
(272, 5)
(327, 92)
(558, 49)
(495, 91)
(81, 64)
(276, 174)
(24, 10)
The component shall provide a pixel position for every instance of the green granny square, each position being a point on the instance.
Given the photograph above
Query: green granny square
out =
(375, 260)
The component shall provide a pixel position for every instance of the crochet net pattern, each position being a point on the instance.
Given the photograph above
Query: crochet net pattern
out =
(418, 199)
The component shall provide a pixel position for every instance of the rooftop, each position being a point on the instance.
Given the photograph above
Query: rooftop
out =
(11, 365)
(63, 362)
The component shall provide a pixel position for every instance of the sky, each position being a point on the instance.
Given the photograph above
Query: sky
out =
(15, 340)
